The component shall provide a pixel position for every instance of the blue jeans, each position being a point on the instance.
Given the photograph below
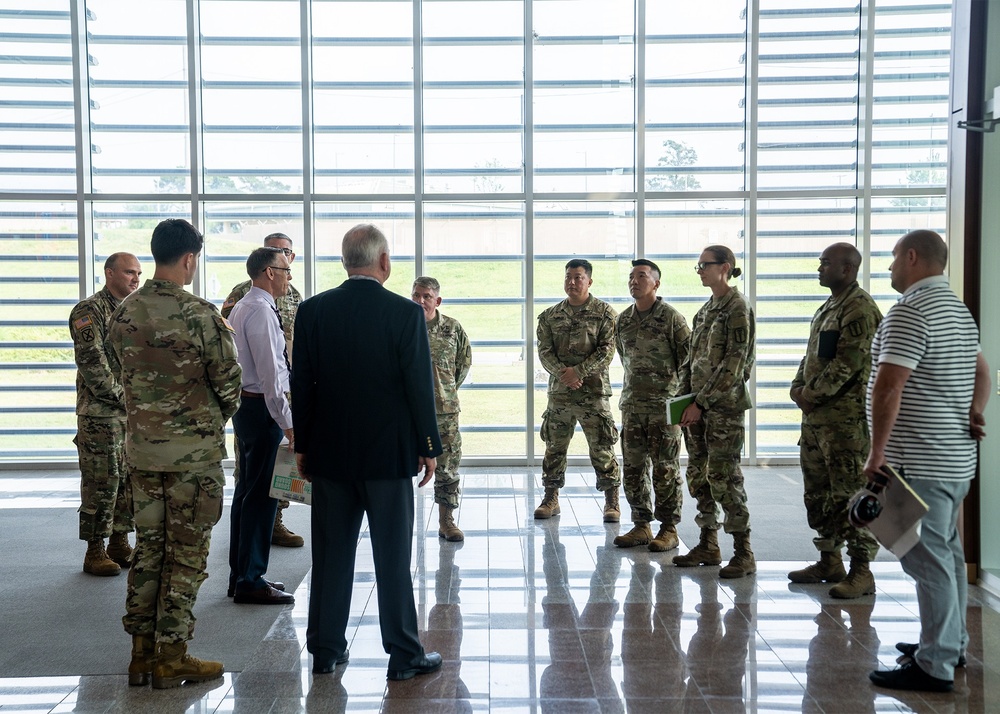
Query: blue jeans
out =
(937, 564)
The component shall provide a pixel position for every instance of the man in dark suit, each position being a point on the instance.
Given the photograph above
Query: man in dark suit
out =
(365, 423)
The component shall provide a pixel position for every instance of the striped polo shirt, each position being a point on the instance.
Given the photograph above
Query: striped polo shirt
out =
(930, 331)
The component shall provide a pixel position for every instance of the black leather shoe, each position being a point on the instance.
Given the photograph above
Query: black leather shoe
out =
(277, 586)
(910, 677)
(430, 662)
(264, 596)
(322, 665)
(910, 648)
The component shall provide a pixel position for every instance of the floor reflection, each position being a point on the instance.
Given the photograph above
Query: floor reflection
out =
(550, 616)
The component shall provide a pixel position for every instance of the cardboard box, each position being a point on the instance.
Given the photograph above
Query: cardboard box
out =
(285, 483)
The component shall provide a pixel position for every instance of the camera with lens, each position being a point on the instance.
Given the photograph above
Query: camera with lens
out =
(865, 506)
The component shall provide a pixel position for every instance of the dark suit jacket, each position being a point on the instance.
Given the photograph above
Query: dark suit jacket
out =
(362, 387)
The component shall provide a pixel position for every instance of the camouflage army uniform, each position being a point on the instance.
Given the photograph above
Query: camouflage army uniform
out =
(177, 360)
(652, 350)
(106, 506)
(287, 306)
(451, 357)
(835, 437)
(583, 338)
(717, 369)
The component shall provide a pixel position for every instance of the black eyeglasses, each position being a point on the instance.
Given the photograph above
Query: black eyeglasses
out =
(287, 251)
(278, 267)
(705, 263)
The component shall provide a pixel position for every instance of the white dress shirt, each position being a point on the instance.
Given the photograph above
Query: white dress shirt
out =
(260, 345)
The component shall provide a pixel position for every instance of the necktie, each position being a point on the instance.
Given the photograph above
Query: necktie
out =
(284, 350)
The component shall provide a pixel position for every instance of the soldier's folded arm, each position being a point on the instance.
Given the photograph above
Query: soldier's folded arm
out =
(546, 349)
(604, 351)
(853, 353)
(727, 374)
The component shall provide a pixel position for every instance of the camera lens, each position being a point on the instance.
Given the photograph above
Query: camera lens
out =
(865, 510)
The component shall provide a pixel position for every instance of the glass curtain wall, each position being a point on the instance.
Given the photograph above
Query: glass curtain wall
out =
(491, 140)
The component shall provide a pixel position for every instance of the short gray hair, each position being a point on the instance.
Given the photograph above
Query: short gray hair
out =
(425, 281)
(362, 246)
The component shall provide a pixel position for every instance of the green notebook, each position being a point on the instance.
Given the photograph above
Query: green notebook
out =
(676, 407)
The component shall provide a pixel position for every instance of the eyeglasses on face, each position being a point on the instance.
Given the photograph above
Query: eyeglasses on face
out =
(705, 263)
(277, 267)
(287, 251)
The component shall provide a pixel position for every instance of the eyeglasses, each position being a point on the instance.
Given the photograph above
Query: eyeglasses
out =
(705, 263)
(277, 267)
(287, 251)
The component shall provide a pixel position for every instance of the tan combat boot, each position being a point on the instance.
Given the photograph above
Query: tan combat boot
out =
(174, 666)
(550, 504)
(705, 553)
(140, 669)
(640, 534)
(742, 563)
(96, 561)
(858, 583)
(612, 509)
(665, 540)
(446, 525)
(284, 537)
(119, 550)
(828, 569)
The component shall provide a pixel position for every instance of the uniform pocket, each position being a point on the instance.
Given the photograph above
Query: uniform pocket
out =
(609, 432)
(543, 431)
(208, 503)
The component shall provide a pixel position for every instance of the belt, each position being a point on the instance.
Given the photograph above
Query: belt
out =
(254, 395)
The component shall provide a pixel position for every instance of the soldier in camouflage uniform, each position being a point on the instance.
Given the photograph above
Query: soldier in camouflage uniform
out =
(829, 388)
(288, 305)
(716, 372)
(177, 361)
(576, 343)
(652, 339)
(106, 508)
(451, 358)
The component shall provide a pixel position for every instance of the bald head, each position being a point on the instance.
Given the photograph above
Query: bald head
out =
(121, 274)
(928, 245)
(917, 255)
(838, 267)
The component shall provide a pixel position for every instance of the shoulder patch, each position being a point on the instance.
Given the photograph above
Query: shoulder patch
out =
(83, 322)
(856, 328)
(229, 303)
(224, 323)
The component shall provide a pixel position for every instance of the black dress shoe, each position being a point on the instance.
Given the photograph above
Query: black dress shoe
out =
(910, 677)
(430, 662)
(322, 665)
(264, 596)
(277, 586)
(910, 648)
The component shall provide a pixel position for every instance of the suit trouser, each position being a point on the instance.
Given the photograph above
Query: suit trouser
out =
(937, 564)
(337, 510)
(251, 518)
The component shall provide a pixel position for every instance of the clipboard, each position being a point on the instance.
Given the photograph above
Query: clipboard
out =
(897, 527)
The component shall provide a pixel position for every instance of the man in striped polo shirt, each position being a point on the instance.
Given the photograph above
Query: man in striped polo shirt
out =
(928, 388)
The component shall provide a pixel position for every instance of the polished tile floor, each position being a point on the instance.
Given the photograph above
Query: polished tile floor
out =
(549, 616)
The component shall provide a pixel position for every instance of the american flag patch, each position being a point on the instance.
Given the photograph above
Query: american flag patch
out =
(84, 321)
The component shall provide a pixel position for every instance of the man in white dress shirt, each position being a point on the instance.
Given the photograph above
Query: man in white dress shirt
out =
(263, 418)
